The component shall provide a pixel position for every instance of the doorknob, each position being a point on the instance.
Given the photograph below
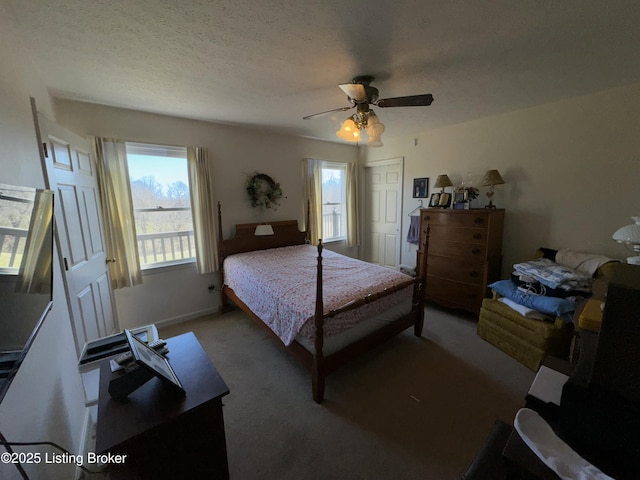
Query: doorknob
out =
(110, 260)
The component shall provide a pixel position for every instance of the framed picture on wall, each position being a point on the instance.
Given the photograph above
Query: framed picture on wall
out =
(420, 187)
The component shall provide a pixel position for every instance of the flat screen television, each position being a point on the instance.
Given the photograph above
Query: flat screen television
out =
(26, 275)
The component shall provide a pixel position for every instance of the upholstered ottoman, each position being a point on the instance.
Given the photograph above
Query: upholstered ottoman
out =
(529, 340)
(525, 339)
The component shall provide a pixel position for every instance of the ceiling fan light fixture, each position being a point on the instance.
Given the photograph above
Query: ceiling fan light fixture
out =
(361, 95)
(374, 128)
(349, 131)
(375, 142)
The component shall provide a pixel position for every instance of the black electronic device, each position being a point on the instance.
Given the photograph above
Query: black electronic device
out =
(26, 280)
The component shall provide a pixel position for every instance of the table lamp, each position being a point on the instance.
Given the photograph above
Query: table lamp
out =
(442, 181)
(630, 235)
(491, 178)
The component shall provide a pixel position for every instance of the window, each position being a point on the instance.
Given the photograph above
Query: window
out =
(159, 179)
(334, 194)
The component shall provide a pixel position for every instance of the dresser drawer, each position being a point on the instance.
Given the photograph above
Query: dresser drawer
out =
(457, 249)
(454, 294)
(458, 234)
(456, 218)
(466, 271)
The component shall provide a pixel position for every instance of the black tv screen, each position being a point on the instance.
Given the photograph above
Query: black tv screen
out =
(26, 275)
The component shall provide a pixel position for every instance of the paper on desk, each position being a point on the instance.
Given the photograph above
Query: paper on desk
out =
(547, 386)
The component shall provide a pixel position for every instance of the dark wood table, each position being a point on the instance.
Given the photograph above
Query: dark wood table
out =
(165, 435)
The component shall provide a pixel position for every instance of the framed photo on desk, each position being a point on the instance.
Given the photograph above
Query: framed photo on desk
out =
(148, 358)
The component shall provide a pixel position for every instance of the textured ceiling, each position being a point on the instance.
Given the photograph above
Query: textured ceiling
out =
(266, 64)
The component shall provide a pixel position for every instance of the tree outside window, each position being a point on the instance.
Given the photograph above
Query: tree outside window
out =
(162, 208)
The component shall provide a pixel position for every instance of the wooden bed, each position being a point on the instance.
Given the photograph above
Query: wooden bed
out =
(286, 233)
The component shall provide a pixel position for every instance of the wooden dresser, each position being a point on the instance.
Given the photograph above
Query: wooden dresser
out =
(464, 255)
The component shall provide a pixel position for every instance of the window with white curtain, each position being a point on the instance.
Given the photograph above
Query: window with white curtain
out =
(334, 199)
(159, 180)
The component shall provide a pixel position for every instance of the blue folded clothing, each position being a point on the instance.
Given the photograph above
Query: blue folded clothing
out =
(549, 305)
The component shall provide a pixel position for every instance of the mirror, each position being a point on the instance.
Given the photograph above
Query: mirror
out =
(26, 276)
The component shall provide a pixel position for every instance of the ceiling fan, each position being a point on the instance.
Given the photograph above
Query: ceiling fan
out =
(361, 95)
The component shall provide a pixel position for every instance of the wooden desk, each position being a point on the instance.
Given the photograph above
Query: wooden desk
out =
(165, 435)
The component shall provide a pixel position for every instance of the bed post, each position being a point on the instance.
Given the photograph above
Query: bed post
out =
(419, 286)
(224, 300)
(317, 370)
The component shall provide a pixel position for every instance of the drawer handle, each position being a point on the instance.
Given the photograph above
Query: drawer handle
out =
(476, 251)
(473, 274)
(477, 236)
(478, 220)
(427, 217)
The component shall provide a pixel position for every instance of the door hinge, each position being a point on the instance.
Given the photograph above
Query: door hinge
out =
(45, 149)
(66, 264)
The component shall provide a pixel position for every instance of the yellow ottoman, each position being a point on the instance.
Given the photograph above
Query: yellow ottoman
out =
(525, 339)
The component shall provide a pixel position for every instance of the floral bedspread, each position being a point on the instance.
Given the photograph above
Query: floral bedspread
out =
(279, 285)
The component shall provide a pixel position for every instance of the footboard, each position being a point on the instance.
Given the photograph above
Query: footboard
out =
(322, 366)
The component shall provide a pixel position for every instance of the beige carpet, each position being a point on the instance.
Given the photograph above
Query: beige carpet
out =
(415, 408)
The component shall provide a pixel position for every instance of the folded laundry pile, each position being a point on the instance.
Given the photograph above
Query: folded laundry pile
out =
(553, 275)
(546, 288)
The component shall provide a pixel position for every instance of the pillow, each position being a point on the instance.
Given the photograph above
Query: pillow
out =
(549, 305)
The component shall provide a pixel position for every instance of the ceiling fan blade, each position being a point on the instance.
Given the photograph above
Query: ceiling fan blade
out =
(410, 101)
(354, 90)
(341, 109)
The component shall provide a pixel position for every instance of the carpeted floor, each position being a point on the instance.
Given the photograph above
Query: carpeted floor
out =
(414, 408)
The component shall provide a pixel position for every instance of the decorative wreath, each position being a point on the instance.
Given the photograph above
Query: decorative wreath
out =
(263, 191)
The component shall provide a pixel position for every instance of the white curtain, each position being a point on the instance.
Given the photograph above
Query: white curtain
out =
(203, 210)
(353, 237)
(117, 212)
(313, 194)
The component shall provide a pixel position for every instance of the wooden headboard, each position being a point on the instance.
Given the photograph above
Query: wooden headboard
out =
(285, 234)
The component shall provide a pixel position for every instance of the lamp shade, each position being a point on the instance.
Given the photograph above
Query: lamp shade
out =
(375, 142)
(442, 181)
(492, 177)
(262, 230)
(375, 129)
(629, 233)
(349, 131)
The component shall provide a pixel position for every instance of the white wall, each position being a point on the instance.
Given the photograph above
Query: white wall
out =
(179, 293)
(571, 168)
(45, 400)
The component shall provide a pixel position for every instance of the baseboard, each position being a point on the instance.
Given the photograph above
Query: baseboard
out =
(183, 318)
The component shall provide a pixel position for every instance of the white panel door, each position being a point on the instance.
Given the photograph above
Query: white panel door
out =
(72, 175)
(383, 206)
